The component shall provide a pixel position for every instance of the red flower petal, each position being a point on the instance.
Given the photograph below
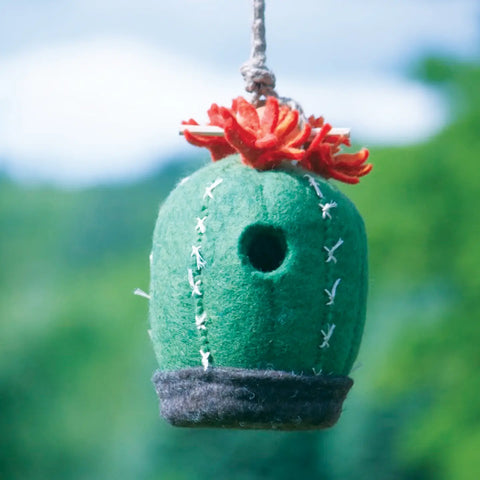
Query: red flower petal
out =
(215, 116)
(219, 148)
(190, 122)
(270, 116)
(268, 141)
(302, 136)
(246, 114)
(288, 123)
(237, 136)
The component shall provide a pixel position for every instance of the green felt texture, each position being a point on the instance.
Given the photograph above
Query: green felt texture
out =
(257, 319)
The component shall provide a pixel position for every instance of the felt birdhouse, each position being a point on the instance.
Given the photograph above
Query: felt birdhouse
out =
(259, 275)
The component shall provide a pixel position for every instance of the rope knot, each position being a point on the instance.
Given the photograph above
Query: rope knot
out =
(259, 79)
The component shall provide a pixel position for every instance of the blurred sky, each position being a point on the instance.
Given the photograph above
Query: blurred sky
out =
(94, 90)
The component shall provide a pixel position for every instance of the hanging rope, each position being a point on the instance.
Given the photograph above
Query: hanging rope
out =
(259, 79)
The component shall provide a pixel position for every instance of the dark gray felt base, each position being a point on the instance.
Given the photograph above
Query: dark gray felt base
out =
(242, 398)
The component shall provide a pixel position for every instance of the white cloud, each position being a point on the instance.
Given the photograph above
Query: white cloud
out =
(109, 108)
(96, 110)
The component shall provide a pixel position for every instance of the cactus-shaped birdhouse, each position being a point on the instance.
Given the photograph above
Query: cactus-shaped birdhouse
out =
(259, 275)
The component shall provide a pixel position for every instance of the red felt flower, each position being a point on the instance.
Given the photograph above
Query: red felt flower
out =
(266, 136)
(218, 146)
(322, 156)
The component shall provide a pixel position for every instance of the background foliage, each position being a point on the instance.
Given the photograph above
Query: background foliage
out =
(75, 360)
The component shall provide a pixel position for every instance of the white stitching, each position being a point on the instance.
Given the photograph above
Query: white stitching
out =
(313, 183)
(141, 293)
(205, 356)
(326, 208)
(194, 285)
(331, 294)
(208, 190)
(200, 321)
(331, 251)
(356, 367)
(327, 335)
(200, 227)
(200, 260)
(201, 316)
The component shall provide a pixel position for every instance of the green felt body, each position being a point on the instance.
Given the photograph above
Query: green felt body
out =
(256, 319)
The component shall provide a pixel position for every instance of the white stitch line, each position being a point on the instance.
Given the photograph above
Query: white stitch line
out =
(183, 181)
(326, 208)
(327, 335)
(195, 286)
(205, 356)
(356, 367)
(200, 260)
(141, 293)
(200, 321)
(200, 227)
(315, 372)
(150, 258)
(331, 251)
(208, 190)
(331, 294)
(313, 183)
